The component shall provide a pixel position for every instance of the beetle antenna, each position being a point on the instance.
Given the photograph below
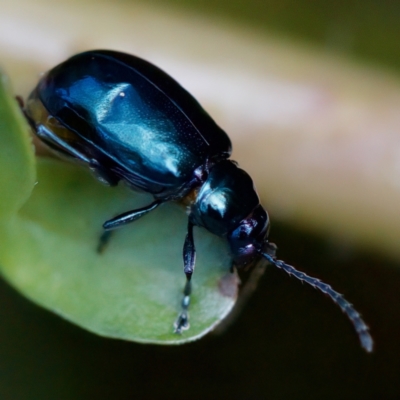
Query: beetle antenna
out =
(355, 318)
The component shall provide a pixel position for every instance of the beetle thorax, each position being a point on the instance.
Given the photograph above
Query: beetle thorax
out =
(223, 199)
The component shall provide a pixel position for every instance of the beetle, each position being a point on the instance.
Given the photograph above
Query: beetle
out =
(127, 120)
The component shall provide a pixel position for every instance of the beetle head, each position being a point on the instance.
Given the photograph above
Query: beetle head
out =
(249, 237)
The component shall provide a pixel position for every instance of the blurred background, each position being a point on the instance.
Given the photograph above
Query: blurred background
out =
(309, 93)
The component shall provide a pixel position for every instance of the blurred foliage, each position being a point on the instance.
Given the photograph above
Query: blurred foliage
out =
(17, 172)
(365, 29)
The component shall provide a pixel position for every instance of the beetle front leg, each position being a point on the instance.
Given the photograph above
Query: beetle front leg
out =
(189, 262)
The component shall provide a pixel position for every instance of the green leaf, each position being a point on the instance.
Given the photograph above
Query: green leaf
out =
(134, 288)
(17, 161)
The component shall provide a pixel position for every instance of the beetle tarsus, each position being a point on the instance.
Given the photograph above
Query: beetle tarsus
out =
(182, 322)
(355, 318)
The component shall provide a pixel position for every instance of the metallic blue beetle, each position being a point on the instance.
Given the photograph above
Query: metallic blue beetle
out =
(129, 121)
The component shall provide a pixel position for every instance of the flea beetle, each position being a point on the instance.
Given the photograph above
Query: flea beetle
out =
(127, 120)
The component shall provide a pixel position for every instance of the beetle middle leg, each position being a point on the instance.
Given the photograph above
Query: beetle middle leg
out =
(189, 262)
(130, 216)
(103, 241)
(123, 219)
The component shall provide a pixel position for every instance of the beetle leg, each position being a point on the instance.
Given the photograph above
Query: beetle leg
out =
(102, 174)
(123, 219)
(59, 145)
(130, 216)
(103, 241)
(189, 262)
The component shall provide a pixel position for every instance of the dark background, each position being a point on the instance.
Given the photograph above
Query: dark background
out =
(290, 341)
